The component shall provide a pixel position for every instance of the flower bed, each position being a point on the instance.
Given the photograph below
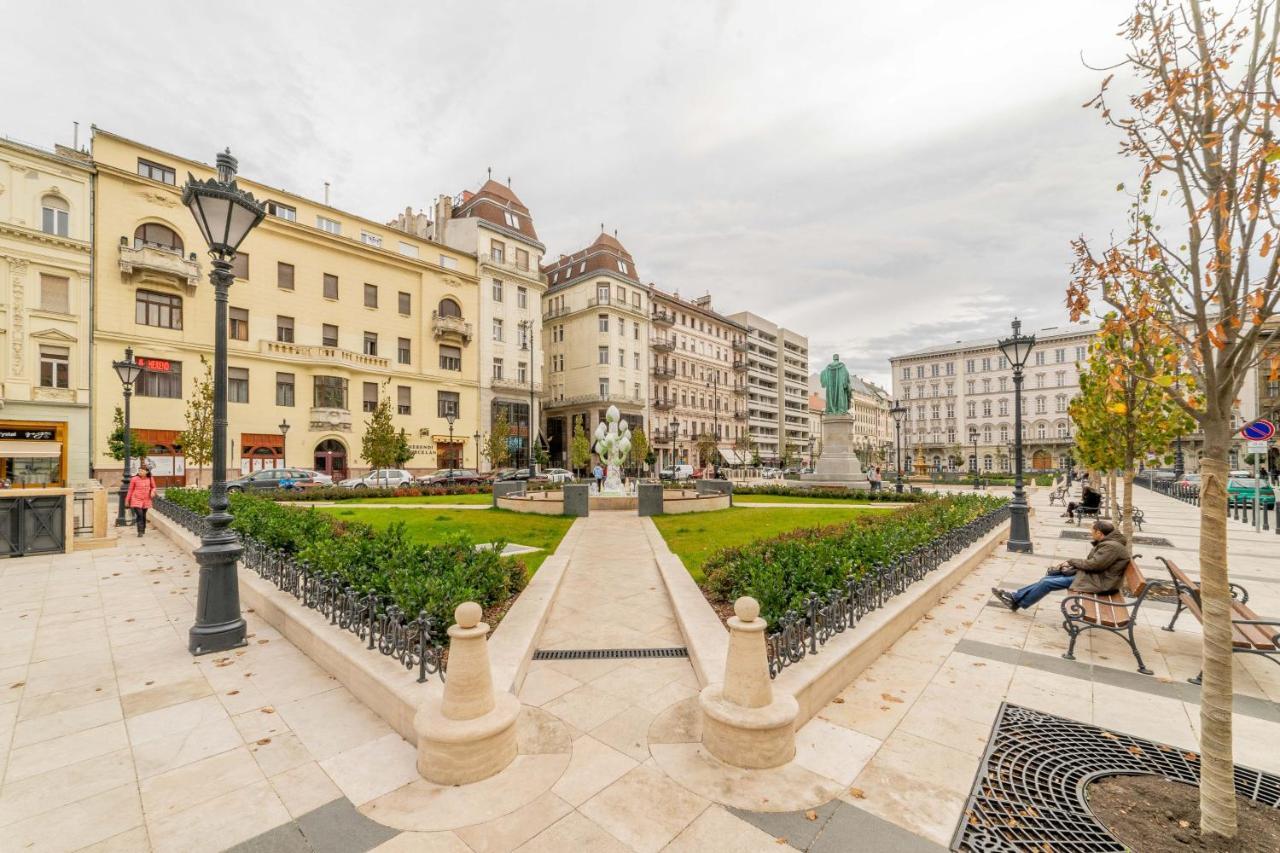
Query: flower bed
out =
(334, 493)
(835, 493)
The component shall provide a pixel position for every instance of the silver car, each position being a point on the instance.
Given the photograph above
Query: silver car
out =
(380, 478)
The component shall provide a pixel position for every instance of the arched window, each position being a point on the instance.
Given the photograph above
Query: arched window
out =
(55, 216)
(1040, 431)
(157, 236)
(449, 308)
(986, 462)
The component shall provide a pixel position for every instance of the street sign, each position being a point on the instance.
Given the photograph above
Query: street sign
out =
(1260, 430)
(1259, 447)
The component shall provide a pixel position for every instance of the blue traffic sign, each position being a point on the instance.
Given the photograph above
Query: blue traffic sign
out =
(1260, 430)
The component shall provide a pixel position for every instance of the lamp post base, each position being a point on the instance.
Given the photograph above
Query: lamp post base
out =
(219, 625)
(1019, 530)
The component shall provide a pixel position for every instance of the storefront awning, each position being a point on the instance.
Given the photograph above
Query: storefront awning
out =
(732, 456)
(30, 449)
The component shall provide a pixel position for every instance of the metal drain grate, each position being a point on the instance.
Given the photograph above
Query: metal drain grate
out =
(1029, 794)
(603, 654)
(1138, 538)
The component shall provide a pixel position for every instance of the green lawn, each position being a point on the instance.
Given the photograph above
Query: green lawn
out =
(539, 531)
(805, 499)
(695, 536)
(426, 499)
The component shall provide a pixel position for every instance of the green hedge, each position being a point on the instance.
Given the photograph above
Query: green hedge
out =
(780, 571)
(839, 493)
(434, 578)
(335, 493)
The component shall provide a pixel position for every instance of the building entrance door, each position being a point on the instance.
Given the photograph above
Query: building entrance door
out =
(331, 459)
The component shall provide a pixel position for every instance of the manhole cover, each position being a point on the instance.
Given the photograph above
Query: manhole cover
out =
(1138, 538)
(1029, 794)
(603, 654)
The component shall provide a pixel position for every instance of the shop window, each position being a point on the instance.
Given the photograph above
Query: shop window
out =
(160, 379)
(158, 309)
(237, 384)
(330, 392)
(55, 293)
(55, 367)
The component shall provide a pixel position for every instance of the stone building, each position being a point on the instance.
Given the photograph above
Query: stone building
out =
(698, 386)
(45, 292)
(777, 389)
(329, 313)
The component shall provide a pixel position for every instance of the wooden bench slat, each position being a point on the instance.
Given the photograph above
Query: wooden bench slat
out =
(1257, 635)
(1238, 639)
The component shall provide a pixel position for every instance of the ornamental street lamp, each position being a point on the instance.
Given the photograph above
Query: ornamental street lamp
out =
(128, 371)
(476, 436)
(453, 457)
(899, 413)
(675, 431)
(284, 447)
(973, 436)
(225, 215)
(1016, 348)
(527, 327)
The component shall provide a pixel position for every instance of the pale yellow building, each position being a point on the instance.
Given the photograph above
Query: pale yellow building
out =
(329, 312)
(698, 386)
(45, 293)
(595, 317)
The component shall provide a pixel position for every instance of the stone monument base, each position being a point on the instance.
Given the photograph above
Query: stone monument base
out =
(838, 463)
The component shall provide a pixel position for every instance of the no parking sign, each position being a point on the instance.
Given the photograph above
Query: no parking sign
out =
(1260, 430)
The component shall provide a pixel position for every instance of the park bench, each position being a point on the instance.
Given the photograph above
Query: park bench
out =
(1249, 634)
(1059, 495)
(1112, 612)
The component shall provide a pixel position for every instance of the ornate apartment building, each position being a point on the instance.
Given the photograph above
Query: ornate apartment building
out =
(596, 329)
(960, 392)
(45, 291)
(329, 313)
(698, 386)
(777, 401)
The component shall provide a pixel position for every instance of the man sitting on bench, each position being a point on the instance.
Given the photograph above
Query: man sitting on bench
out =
(1090, 499)
(1099, 573)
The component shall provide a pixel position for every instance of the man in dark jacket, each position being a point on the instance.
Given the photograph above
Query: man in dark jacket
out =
(1099, 573)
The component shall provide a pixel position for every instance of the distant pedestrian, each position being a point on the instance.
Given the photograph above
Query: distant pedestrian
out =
(142, 488)
(598, 473)
(875, 478)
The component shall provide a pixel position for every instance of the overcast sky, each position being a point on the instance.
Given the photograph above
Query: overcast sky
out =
(878, 176)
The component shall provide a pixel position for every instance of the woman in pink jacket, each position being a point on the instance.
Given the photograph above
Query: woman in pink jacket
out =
(142, 488)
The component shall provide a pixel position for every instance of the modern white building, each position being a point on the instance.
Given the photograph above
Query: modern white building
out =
(777, 389)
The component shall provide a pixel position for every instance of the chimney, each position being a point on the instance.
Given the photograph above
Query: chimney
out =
(444, 211)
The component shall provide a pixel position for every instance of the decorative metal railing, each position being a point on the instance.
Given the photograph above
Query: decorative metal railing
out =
(372, 617)
(799, 634)
(1239, 506)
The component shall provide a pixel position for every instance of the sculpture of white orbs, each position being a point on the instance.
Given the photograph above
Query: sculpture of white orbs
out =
(613, 443)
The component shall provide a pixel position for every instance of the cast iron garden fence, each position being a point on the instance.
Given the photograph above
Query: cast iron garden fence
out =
(1239, 507)
(371, 616)
(799, 634)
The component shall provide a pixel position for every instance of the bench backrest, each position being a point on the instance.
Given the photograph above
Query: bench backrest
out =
(1134, 581)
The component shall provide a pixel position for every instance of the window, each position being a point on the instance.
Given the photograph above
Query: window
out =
(1002, 362)
(404, 403)
(497, 250)
(55, 367)
(1059, 356)
(157, 381)
(448, 262)
(986, 365)
(497, 368)
(906, 373)
(636, 358)
(329, 226)
(370, 343)
(403, 347)
(497, 330)
(986, 408)
(522, 334)
(330, 392)
(622, 357)
(604, 387)
(450, 358)
(522, 297)
(511, 219)
(328, 335)
(972, 409)
(55, 293)
(447, 403)
(933, 370)
(240, 265)
(158, 309)
(55, 216)
(369, 396)
(408, 249)
(284, 275)
(238, 322)
(156, 236)
(330, 286)
(622, 295)
(602, 294)
(156, 172)
(497, 290)
(1040, 407)
(522, 259)
(282, 211)
(284, 329)
(522, 372)
(1039, 357)
(602, 322)
(623, 268)
(602, 355)
(370, 239)
(1080, 354)
(237, 384)
(449, 308)
(403, 303)
(284, 389)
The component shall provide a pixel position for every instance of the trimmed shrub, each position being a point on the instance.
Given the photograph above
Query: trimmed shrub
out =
(835, 493)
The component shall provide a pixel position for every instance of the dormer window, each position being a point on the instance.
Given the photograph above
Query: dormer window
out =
(622, 267)
(512, 219)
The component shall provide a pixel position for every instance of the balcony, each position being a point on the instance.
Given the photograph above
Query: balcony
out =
(660, 371)
(558, 311)
(446, 327)
(738, 387)
(739, 346)
(663, 404)
(662, 318)
(740, 364)
(740, 415)
(597, 302)
(662, 344)
(326, 419)
(509, 265)
(511, 384)
(155, 265)
(323, 355)
(620, 400)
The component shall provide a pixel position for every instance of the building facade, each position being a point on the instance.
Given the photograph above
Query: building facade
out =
(777, 401)
(698, 386)
(961, 394)
(329, 313)
(596, 328)
(45, 292)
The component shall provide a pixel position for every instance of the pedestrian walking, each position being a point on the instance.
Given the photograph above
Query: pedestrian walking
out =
(142, 488)
(875, 479)
(598, 473)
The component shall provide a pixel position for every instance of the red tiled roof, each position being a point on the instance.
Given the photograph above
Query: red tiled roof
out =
(601, 256)
(492, 202)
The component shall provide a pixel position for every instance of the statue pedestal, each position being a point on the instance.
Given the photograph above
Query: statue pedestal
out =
(838, 463)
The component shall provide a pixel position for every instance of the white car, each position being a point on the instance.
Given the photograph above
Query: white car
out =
(380, 478)
(557, 475)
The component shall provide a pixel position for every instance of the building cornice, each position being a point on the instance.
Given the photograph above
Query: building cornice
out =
(21, 231)
(507, 232)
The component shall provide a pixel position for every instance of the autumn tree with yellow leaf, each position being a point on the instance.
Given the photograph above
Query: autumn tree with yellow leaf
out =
(1197, 266)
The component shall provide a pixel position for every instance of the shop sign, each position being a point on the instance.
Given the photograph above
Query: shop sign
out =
(13, 434)
(156, 365)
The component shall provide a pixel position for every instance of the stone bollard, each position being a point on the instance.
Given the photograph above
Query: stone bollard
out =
(743, 723)
(469, 734)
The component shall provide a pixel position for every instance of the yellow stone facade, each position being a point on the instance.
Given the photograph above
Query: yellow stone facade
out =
(342, 309)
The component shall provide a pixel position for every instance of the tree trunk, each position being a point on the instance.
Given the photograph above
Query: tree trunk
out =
(1126, 525)
(1112, 500)
(1217, 771)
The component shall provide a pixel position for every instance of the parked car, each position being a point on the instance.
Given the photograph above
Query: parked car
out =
(452, 477)
(380, 478)
(321, 478)
(274, 478)
(1241, 472)
(556, 475)
(508, 474)
(1161, 474)
(1242, 489)
(676, 472)
(1190, 480)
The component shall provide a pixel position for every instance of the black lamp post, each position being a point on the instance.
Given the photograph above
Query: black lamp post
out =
(128, 371)
(973, 436)
(284, 443)
(899, 412)
(1016, 348)
(225, 215)
(527, 326)
(476, 436)
(675, 431)
(453, 457)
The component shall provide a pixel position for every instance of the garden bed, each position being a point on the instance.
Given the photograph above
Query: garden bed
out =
(834, 493)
